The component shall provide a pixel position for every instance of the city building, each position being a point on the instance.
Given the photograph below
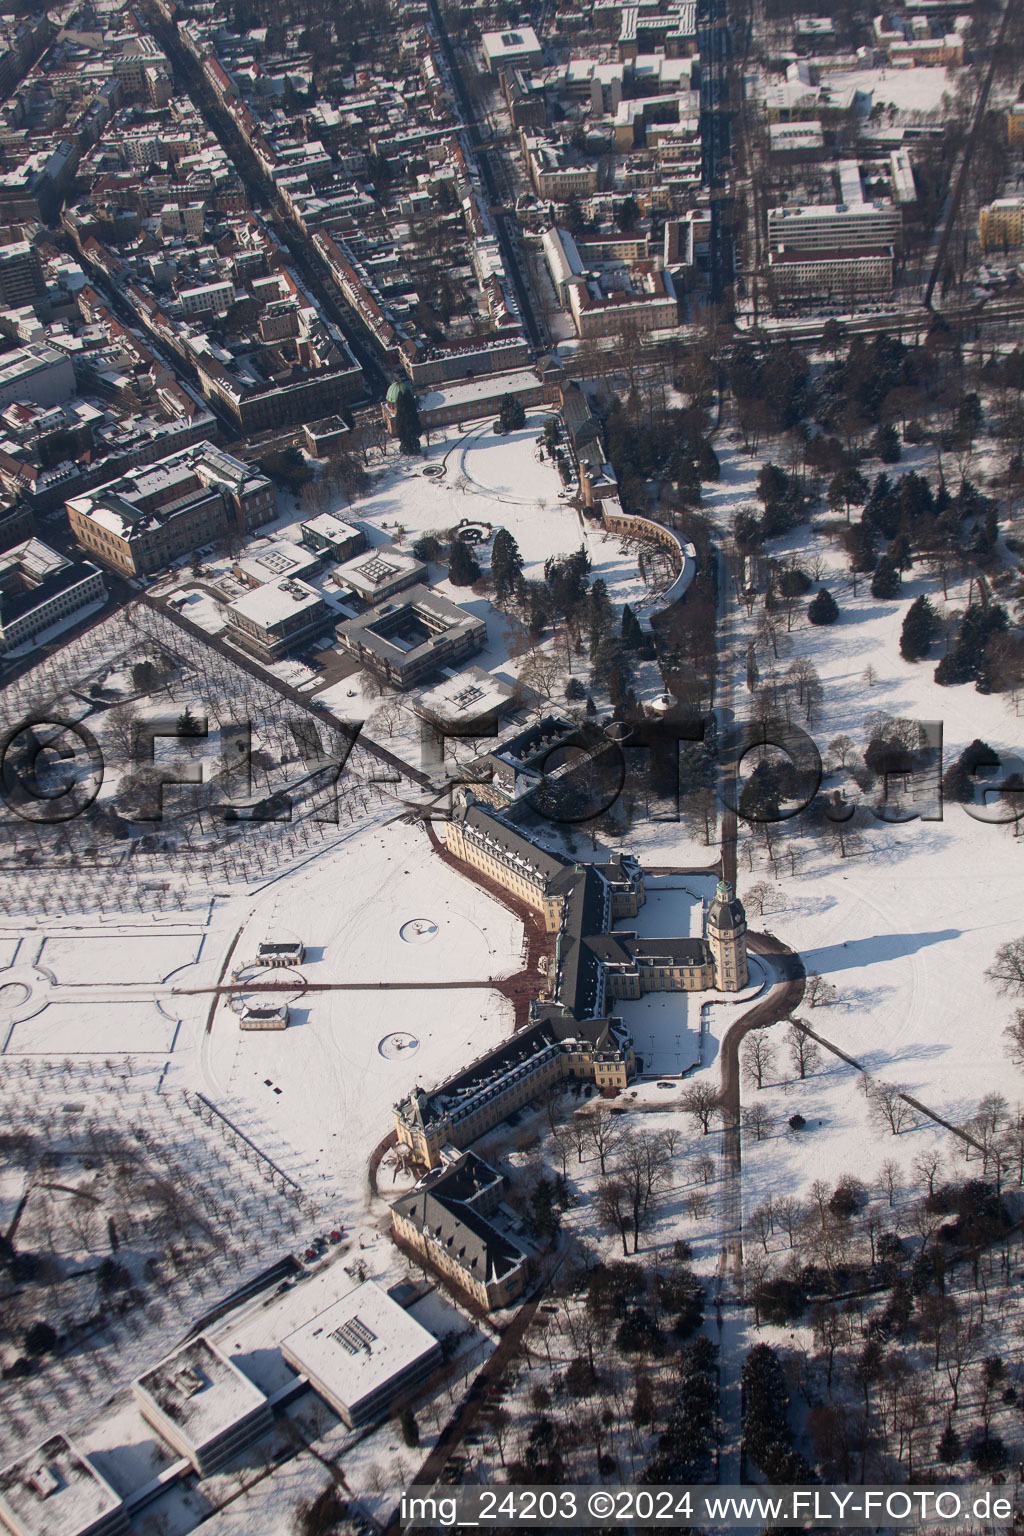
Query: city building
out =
(553, 1048)
(413, 634)
(578, 901)
(514, 768)
(796, 141)
(518, 48)
(363, 1354)
(272, 619)
(329, 534)
(1015, 125)
(571, 1034)
(202, 1405)
(149, 517)
(21, 275)
(835, 226)
(445, 1220)
(473, 399)
(555, 173)
(40, 588)
(646, 303)
(1001, 224)
(37, 373)
(55, 1491)
(830, 275)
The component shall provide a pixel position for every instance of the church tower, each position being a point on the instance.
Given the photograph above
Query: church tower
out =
(727, 939)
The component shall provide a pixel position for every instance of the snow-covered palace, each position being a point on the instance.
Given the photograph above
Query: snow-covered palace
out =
(571, 1032)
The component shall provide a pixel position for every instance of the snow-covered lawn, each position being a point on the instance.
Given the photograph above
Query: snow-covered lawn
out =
(337, 1076)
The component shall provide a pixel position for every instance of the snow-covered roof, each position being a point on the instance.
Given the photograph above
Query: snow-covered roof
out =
(201, 1391)
(359, 1345)
(54, 1491)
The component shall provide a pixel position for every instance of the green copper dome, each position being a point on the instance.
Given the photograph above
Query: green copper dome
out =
(394, 390)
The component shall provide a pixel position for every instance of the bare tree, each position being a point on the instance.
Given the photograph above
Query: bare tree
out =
(757, 896)
(576, 1129)
(760, 1224)
(703, 1168)
(1007, 969)
(644, 1167)
(701, 1101)
(385, 718)
(1013, 1034)
(124, 729)
(698, 1204)
(788, 1213)
(759, 1121)
(758, 1057)
(890, 1176)
(605, 1134)
(563, 1144)
(889, 1108)
(803, 1049)
(843, 748)
(962, 1343)
(612, 1207)
(818, 991)
(927, 1165)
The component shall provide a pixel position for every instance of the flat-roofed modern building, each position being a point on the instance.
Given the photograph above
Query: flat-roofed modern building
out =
(281, 558)
(843, 275)
(379, 573)
(202, 1405)
(329, 534)
(38, 373)
(363, 1354)
(54, 1491)
(413, 634)
(271, 619)
(149, 517)
(835, 226)
(516, 48)
(40, 588)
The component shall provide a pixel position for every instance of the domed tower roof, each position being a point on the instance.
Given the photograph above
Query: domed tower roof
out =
(400, 387)
(726, 910)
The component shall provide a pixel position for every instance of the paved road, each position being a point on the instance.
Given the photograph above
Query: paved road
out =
(780, 1002)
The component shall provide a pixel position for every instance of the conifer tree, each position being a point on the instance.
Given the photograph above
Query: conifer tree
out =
(918, 630)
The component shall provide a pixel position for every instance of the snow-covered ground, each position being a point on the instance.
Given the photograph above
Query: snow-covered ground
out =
(908, 90)
(907, 923)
